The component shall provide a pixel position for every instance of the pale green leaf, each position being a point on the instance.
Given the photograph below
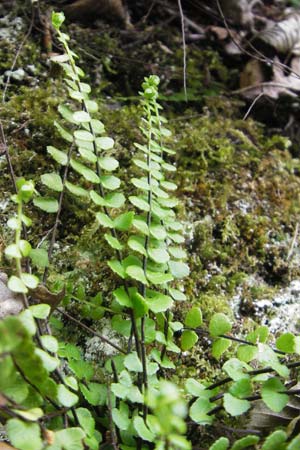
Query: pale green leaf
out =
(31, 281)
(137, 273)
(91, 106)
(221, 444)
(40, 311)
(32, 414)
(59, 156)
(247, 352)
(66, 397)
(86, 421)
(220, 345)
(168, 202)
(137, 244)
(83, 135)
(139, 203)
(28, 321)
(219, 324)
(26, 220)
(158, 232)
(117, 267)
(168, 185)
(104, 143)
(142, 430)
(141, 183)
(141, 164)
(121, 416)
(241, 388)
(13, 251)
(17, 285)
(24, 435)
(286, 343)
(169, 167)
(122, 297)
(64, 133)
(179, 269)
(177, 252)
(133, 363)
(108, 163)
(188, 339)
(177, 295)
(104, 220)
(139, 304)
(113, 242)
(235, 406)
(159, 277)
(97, 126)
(13, 223)
(199, 410)
(123, 222)
(76, 190)
(49, 362)
(87, 154)
(66, 113)
(76, 95)
(71, 382)
(85, 171)
(87, 145)
(272, 395)
(49, 343)
(94, 393)
(69, 439)
(194, 388)
(141, 225)
(236, 369)
(276, 440)
(193, 318)
(176, 237)
(112, 200)
(39, 257)
(246, 442)
(159, 255)
(81, 116)
(57, 19)
(47, 204)
(159, 302)
(110, 182)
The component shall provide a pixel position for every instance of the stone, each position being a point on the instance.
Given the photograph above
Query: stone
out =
(10, 303)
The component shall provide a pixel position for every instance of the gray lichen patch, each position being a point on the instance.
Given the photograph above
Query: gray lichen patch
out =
(96, 349)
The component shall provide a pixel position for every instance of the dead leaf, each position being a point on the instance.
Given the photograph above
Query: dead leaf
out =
(220, 32)
(43, 295)
(3, 400)
(261, 417)
(252, 74)
(292, 81)
(4, 446)
(49, 436)
(235, 44)
(281, 84)
(283, 36)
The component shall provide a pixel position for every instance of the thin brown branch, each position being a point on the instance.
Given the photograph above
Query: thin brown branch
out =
(95, 333)
(183, 47)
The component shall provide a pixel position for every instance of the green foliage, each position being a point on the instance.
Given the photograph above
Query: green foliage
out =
(51, 398)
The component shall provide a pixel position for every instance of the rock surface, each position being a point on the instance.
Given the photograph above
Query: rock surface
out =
(10, 303)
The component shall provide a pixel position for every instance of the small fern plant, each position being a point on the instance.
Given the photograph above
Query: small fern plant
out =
(146, 263)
